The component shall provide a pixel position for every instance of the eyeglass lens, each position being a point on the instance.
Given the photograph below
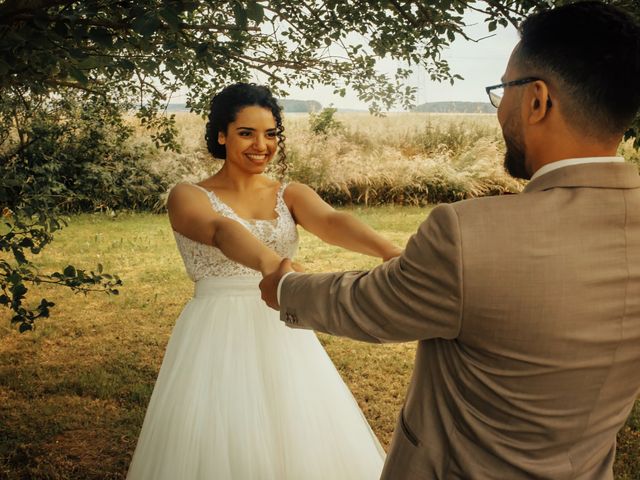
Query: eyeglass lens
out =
(496, 95)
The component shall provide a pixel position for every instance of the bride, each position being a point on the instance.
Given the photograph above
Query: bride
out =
(239, 395)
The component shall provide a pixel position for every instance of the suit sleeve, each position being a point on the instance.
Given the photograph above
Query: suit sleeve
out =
(413, 297)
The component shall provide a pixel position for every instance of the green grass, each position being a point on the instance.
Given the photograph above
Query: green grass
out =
(74, 392)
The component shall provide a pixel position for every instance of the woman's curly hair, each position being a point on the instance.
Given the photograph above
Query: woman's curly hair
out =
(224, 108)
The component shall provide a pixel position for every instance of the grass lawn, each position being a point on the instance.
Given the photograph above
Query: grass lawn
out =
(74, 392)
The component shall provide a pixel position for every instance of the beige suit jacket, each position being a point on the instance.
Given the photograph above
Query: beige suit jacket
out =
(527, 312)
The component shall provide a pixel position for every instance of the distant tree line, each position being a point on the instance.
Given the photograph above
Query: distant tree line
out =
(300, 106)
(455, 107)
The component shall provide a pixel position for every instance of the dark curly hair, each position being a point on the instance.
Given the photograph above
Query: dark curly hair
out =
(224, 108)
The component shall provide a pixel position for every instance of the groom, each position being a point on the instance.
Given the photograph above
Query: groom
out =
(526, 307)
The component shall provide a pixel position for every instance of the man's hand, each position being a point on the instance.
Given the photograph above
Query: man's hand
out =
(269, 284)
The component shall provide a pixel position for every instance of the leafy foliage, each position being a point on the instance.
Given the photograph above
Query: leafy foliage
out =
(23, 234)
(33, 235)
(323, 122)
(142, 46)
(48, 152)
(304, 106)
(634, 132)
(74, 154)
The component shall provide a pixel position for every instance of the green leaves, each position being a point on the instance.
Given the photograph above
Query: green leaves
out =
(202, 45)
(240, 14)
(146, 25)
(101, 36)
(78, 75)
(255, 12)
(323, 123)
(126, 64)
(171, 17)
(230, 39)
(70, 143)
(70, 271)
(13, 281)
(18, 254)
(25, 327)
(18, 291)
(26, 242)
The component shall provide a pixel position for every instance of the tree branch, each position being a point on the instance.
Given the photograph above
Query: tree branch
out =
(404, 14)
(61, 283)
(248, 62)
(12, 8)
(78, 86)
(505, 11)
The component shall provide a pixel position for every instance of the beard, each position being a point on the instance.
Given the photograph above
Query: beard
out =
(515, 156)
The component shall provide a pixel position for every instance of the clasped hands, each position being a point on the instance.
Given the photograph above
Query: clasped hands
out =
(270, 282)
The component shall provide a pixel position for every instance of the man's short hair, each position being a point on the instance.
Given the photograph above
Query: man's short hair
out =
(592, 51)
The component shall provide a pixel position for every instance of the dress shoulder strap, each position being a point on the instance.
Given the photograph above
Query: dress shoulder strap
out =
(280, 194)
(200, 188)
(216, 204)
(281, 206)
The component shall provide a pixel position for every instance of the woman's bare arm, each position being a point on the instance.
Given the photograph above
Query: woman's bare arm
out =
(336, 228)
(192, 215)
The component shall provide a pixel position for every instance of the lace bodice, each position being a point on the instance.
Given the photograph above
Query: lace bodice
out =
(203, 260)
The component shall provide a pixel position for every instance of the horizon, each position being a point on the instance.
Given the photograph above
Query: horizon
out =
(181, 106)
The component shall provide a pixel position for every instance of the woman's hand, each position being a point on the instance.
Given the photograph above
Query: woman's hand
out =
(392, 253)
(269, 283)
(269, 263)
(272, 263)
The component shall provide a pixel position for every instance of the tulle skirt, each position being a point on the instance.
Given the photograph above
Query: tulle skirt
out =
(241, 396)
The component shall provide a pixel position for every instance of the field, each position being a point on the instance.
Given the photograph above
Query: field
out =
(403, 158)
(74, 392)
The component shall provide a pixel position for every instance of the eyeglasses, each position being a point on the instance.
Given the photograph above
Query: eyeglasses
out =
(496, 92)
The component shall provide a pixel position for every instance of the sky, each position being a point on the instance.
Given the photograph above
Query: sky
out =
(481, 64)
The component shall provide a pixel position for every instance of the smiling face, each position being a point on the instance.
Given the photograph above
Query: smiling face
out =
(251, 140)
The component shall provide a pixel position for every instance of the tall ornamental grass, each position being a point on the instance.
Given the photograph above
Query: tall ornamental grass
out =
(357, 158)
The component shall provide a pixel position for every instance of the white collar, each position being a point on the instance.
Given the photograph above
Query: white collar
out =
(549, 167)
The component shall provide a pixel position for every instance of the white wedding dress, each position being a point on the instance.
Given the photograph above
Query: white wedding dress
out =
(241, 396)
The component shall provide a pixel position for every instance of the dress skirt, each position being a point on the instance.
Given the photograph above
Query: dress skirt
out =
(240, 396)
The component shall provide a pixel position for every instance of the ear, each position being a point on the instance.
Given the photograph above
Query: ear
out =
(538, 103)
(222, 138)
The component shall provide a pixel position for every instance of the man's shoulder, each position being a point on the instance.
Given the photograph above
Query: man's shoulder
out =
(490, 216)
(487, 205)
